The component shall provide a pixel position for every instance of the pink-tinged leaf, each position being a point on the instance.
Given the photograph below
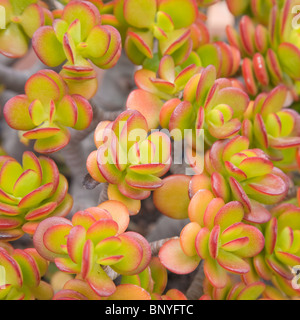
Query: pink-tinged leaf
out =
(258, 214)
(141, 14)
(16, 113)
(102, 229)
(31, 162)
(189, 7)
(252, 291)
(98, 42)
(47, 47)
(41, 212)
(238, 230)
(75, 243)
(239, 194)
(173, 258)
(213, 243)
(198, 205)
(29, 267)
(7, 223)
(215, 274)
(12, 268)
(92, 167)
(38, 237)
(287, 258)
(66, 265)
(86, 12)
(88, 262)
(130, 292)
(67, 294)
(142, 181)
(261, 267)
(202, 243)
(271, 235)
(268, 189)
(166, 69)
(66, 112)
(7, 209)
(85, 112)
(41, 133)
(247, 31)
(260, 69)
(175, 294)
(16, 48)
(197, 183)
(289, 56)
(274, 101)
(234, 146)
(32, 18)
(147, 104)
(207, 79)
(229, 214)
(166, 197)
(133, 193)
(37, 196)
(211, 211)
(159, 275)
(9, 175)
(235, 172)
(187, 238)
(56, 237)
(236, 244)
(274, 66)
(262, 167)
(133, 255)
(220, 186)
(11, 235)
(279, 268)
(232, 262)
(118, 212)
(248, 74)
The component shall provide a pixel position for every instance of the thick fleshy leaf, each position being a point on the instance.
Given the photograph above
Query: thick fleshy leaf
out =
(140, 14)
(187, 238)
(130, 292)
(289, 56)
(173, 258)
(166, 197)
(232, 262)
(215, 274)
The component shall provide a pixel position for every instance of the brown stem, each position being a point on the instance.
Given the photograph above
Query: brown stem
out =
(103, 193)
(195, 291)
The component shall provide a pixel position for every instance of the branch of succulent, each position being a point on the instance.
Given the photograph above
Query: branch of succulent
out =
(143, 156)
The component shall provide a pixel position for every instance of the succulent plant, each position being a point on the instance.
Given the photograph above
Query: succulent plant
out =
(271, 54)
(282, 249)
(46, 110)
(147, 20)
(23, 270)
(210, 104)
(129, 158)
(246, 175)
(29, 193)
(23, 18)
(95, 239)
(273, 128)
(216, 234)
(78, 37)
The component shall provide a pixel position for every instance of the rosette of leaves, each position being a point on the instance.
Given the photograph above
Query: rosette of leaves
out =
(216, 234)
(23, 270)
(282, 249)
(273, 128)
(92, 241)
(79, 38)
(246, 175)
(22, 19)
(163, 21)
(158, 84)
(29, 193)
(208, 103)
(271, 54)
(234, 291)
(46, 110)
(129, 159)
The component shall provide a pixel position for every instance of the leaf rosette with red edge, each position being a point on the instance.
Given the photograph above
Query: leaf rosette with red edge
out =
(273, 128)
(282, 249)
(271, 53)
(129, 159)
(246, 175)
(143, 22)
(208, 103)
(23, 270)
(95, 239)
(79, 38)
(22, 19)
(45, 111)
(215, 234)
(29, 193)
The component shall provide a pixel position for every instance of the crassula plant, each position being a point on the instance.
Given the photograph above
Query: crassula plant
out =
(181, 133)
